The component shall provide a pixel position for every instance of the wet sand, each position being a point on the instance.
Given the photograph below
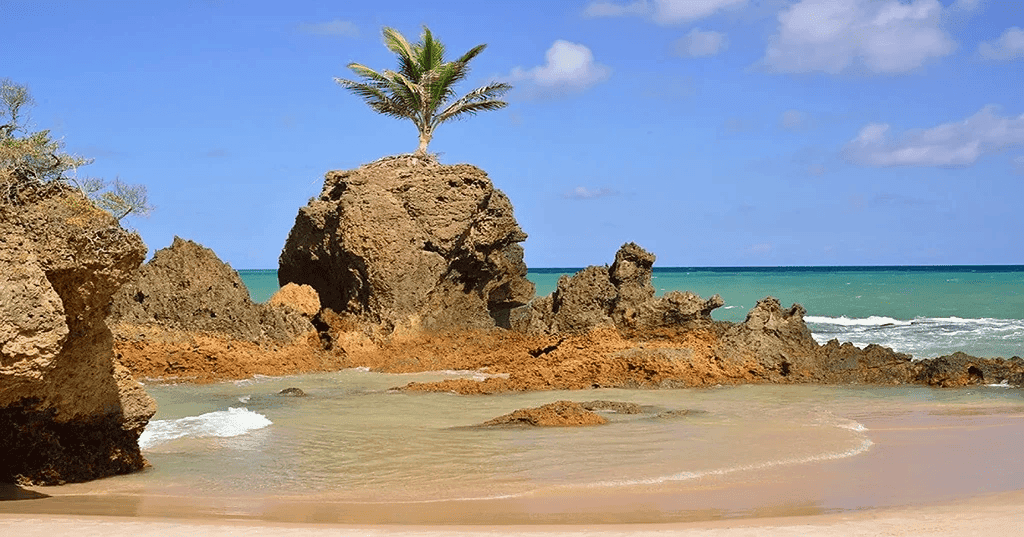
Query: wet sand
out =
(994, 515)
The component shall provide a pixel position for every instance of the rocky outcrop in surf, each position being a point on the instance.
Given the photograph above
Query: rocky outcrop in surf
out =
(187, 315)
(407, 243)
(68, 410)
(557, 414)
(603, 327)
(620, 295)
(573, 414)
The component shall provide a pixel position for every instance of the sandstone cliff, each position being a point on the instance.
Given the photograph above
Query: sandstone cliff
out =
(186, 314)
(409, 243)
(68, 410)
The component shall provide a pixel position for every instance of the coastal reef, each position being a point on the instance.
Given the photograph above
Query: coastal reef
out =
(603, 327)
(620, 295)
(68, 410)
(186, 315)
(406, 265)
(405, 243)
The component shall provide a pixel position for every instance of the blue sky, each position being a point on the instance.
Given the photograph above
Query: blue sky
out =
(711, 132)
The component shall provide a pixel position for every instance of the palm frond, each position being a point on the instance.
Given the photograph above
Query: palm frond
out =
(396, 42)
(478, 100)
(377, 98)
(456, 111)
(423, 83)
(367, 73)
(439, 83)
(471, 53)
(431, 51)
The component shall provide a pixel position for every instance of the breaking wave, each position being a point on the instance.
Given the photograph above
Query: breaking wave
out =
(925, 337)
(221, 424)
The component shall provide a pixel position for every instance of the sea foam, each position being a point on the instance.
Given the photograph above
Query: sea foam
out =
(874, 320)
(863, 444)
(925, 337)
(222, 424)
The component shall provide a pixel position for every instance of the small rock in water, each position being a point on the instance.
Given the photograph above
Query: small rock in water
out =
(557, 414)
(292, 392)
(612, 406)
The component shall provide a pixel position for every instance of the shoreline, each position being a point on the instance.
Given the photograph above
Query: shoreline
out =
(999, 514)
(917, 463)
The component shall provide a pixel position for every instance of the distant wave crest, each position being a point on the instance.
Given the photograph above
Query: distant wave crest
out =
(874, 320)
(925, 337)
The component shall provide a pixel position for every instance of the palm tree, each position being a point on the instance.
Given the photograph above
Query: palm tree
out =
(421, 89)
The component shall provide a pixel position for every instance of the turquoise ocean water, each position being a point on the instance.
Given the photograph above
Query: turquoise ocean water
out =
(924, 311)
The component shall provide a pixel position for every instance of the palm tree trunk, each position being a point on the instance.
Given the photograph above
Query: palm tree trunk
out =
(425, 137)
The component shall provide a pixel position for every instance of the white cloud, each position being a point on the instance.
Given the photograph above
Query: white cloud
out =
(584, 193)
(662, 11)
(612, 9)
(336, 27)
(569, 67)
(1009, 46)
(670, 11)
(967, 5)
(954, 144)
(699, 43)
(793, 119)
(883, 36)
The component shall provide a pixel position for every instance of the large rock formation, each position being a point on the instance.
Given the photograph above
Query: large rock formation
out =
(603, 327)
(409, 243)
(620, 296)
(68, 410)
(186, 314)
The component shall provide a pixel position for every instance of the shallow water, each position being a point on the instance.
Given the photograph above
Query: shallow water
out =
(354, 440)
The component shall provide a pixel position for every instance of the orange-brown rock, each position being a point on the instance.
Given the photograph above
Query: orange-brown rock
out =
(603, 327)
(186, 315)
(160, 354)
(557, 414)
(301, 298)
(68, 410)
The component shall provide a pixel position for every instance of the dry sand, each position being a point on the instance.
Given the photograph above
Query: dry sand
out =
(1001, 515)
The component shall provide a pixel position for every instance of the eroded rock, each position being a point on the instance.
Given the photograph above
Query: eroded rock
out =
(301, 298)
(620, 296)
(405, 243)
(557, 414)
(187, 315)
(68, 410)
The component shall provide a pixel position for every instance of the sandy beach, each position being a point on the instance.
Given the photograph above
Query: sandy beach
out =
(991, 515)
(929, 475)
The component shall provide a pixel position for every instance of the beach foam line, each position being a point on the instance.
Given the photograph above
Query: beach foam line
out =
(221, 424)
(858, 428)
